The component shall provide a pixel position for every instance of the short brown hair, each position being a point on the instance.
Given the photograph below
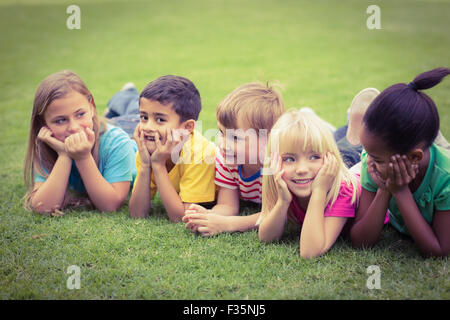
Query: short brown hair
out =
(178, 91)
(260, 105)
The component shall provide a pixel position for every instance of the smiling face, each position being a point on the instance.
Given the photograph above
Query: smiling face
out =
(69, 115)
(300, 169)
(378, 153)
(156, 118)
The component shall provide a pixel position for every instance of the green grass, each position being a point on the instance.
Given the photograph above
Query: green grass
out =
(322, 53)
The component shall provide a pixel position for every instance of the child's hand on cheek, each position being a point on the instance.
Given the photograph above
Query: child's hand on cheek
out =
(400, 173)
(46, 135)
(144, 154)
(284, 195)
(326, 175)
(164, 151)
(79, 145)
(375, 175)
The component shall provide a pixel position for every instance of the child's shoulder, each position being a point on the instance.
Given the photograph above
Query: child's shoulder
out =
(113, 137)
(198, 148)
(197, 136)
(442, 159)
(113, 132)
(347, 187)
(440, 167)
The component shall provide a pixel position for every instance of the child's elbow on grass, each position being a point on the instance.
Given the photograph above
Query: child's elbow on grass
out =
(42, 208)
(262, 239)
(110, 207)
(266, 238)
(360, 241)
(309, 254)
(442, 253)
(305, 255)
(362, 244)
(136, 214)
(136, 211)
(176, 219)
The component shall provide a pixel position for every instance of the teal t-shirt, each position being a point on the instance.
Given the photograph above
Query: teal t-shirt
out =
(432, 195)
(116, 153)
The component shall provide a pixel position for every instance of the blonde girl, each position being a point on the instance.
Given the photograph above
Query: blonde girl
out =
(308, 183)
(71, 150)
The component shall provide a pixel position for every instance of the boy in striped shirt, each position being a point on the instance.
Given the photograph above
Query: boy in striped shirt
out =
(244, 119)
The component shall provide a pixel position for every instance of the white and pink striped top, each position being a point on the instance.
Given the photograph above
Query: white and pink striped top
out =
(250, 189)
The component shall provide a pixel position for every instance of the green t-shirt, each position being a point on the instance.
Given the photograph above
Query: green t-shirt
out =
(432, 195)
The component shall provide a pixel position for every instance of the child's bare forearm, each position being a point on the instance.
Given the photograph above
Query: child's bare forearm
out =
(169, 196)
(368, 225)
(50, 194)
(420, 230)
(243, 223)
(225, 210)
(272, 227)
(140, 200)
(313, 237)
(102, 194)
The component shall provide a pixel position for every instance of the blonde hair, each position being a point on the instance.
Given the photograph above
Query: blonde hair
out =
(259, 105)
(40, 157)
(299, 130)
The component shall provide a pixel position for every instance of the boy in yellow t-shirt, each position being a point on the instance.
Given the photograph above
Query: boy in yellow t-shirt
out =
(172, 158)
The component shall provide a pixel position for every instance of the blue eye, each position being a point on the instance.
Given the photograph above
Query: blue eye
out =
(316, 157)
(288, 159)
(81, 114)
(59, 121)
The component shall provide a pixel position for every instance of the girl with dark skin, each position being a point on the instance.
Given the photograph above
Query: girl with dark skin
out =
(403, 171)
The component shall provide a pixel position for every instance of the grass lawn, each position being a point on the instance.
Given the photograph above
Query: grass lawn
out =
(320, 51)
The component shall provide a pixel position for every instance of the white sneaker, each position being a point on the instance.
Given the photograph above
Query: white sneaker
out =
(128, 85)
(356, 112)
(441, 141)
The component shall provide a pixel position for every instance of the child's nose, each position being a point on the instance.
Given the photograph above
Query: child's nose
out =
(146, 126)
(226, 148)
(301, 167)
(74, 126)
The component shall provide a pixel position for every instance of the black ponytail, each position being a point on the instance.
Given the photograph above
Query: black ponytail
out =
(403, 116)
(430, 78)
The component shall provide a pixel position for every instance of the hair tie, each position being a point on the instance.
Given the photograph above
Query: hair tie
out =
(413, 86)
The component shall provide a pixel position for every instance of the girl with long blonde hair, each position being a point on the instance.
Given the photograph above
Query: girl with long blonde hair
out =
(73, 157)
(307, 182)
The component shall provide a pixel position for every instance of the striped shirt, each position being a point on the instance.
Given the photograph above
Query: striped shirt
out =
(250, 189)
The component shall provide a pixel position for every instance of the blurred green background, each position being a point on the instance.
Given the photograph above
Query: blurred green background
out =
(321, 52)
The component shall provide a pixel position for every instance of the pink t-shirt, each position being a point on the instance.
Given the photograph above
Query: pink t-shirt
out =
(342, 207)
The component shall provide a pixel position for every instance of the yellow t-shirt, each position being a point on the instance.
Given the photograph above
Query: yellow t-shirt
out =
(193, 174)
